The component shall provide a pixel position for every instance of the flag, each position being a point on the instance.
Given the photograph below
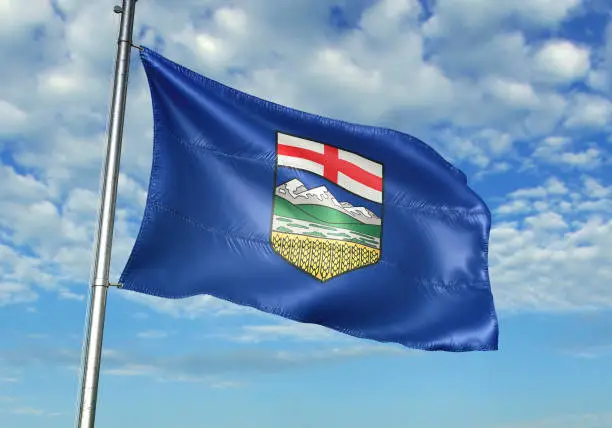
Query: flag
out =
(363, 230)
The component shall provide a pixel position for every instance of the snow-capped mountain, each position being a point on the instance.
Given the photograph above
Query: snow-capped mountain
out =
(295, 192)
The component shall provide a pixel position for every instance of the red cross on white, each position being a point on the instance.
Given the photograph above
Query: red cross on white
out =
(346, 169)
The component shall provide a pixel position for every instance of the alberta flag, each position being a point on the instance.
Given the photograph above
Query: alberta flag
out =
(364, 230)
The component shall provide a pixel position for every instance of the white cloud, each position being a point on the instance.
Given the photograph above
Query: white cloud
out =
(589, 158)
(28, 411)
(561, 61)
(384, 18)
(552, 186)
(514, 207)
(234, 20)
(69, 295)
(152, 334)
(546, 221)
(594, 189)
(551, 146)
(333, 64)
(589, 111)
(11, 293)
(492, 55)
(560, 151)
(516, 94)
(12, 119)
(22, 188)
(481, 148)
(537, 261)
(545, 12)
(209, 367)
(32, 411)
(209, 47)
(215, 368)
(190, 308)
(16, 15)
(226, 384)
(600, 78)
(287, 330)
(482, 16)
(131, 191)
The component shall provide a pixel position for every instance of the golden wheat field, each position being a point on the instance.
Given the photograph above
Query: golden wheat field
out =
(323, 258)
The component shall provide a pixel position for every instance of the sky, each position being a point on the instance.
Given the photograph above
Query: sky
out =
(516, 93)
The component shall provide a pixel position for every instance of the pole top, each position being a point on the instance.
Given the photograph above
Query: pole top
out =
(119, 9)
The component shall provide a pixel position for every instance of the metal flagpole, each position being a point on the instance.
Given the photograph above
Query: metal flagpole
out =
(101, 264)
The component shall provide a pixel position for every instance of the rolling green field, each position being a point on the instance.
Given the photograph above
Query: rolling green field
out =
(323, 216)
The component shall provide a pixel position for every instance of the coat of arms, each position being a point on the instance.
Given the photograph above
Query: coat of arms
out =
(327, 217)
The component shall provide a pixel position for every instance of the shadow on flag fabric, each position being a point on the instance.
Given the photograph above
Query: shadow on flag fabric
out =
(364, 230)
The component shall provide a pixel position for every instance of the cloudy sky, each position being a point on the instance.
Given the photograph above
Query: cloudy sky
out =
(516, 93)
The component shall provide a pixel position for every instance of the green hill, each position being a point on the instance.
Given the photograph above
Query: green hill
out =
(323, 216)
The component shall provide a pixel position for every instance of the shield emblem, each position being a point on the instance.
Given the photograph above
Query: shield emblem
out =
(328, 205)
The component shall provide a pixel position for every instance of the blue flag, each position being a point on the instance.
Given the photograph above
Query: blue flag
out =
(364, 230)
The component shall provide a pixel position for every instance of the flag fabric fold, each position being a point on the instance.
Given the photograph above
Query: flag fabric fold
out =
(364, 230)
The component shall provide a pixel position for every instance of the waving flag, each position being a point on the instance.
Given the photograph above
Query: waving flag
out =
(364, 230)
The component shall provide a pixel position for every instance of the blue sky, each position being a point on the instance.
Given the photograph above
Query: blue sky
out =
(518, 94)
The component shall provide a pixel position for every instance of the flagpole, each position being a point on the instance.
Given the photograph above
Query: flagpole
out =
(92, 351)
